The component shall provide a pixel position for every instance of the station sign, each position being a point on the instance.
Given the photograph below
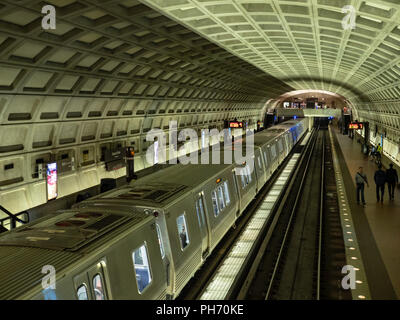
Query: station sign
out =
(235, 124)
(356, 126)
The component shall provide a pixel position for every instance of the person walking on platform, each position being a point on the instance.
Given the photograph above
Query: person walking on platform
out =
(379, 149)
(361, 180)
(380, 180)
(379, 154)
(392, 179)
(372, 154)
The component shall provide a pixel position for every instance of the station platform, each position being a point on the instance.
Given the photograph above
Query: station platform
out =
(377, 225)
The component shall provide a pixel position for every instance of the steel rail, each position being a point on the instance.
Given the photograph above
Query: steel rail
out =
(292, 214)
(321, 212)
(204, 275)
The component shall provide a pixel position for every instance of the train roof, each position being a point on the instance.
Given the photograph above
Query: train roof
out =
(26, 264)
(161, 188)
(69, 230)
(59, 241)
(171, 183)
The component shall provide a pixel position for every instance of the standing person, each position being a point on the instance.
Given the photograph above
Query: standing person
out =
(373, 150)
(392, 179)
(183, 238)
(380, 180)
(379, 153)
(379, 149)
(361, 180)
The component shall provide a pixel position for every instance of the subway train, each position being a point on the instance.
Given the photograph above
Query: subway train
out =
(144, 240)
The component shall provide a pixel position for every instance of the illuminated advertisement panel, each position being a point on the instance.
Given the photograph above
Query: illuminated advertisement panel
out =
(51, 181)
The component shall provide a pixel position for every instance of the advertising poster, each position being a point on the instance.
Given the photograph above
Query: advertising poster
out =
(52, 190)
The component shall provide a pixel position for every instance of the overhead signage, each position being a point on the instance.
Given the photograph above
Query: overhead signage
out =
(235, 124)
(356, 126)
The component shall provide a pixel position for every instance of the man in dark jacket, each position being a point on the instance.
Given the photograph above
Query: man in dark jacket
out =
(392, 179)
(380, 180)
(361, 179)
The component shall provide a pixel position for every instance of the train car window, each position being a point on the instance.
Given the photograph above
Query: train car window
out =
(259, 163)
(183, 231)
(226, 193)
(200, 211)
(215, 203)
(248, 174)
(142, 268)
(243, 179)
(265, 158)
(280, 146)
(273, 152)
(221, 200)
(82, 292)
(98, 287)
(160, 241)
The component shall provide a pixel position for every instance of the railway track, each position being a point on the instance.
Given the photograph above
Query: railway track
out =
(301, 252)
(196, 285)
(304, 257)
(296, 271)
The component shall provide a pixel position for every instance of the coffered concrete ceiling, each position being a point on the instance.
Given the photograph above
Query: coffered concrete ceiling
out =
(303, 42)
(118, 48)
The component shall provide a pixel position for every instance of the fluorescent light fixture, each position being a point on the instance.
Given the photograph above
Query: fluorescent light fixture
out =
(372, 19)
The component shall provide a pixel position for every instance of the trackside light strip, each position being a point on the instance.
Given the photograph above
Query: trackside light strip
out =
(306, 138)
(225, 276)
(353, 254)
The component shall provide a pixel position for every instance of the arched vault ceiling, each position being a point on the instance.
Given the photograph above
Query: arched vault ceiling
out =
(302, 42)
(119, 49)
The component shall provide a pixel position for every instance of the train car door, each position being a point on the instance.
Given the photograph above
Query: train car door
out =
(91, 284)
(203, 223)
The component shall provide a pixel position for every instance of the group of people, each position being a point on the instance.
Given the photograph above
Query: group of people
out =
(381, 178)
